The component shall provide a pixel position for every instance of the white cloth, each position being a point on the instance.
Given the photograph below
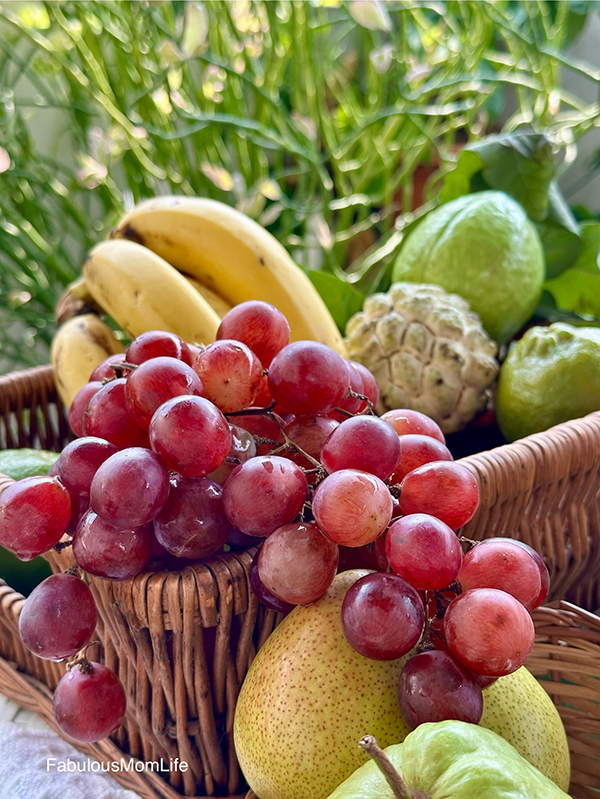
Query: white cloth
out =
(27, 770)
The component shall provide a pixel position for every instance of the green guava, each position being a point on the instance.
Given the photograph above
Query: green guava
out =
(549, 376)
(452, 759)
(484, 248)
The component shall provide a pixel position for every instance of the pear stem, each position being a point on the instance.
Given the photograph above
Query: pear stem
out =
(385, 765)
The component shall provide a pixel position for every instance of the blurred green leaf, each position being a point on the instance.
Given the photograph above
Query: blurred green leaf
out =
(342, 299)
(578, 289)
(520, 164)
(548, 311)
(560, 234)
(457, 182)
(583, 213)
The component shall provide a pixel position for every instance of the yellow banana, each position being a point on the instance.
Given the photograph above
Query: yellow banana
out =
(142, 292)
(232, 255)
(78, 347)
(75, 300)
(216, 302)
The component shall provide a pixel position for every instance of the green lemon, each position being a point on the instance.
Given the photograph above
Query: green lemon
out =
(549, 376)
(484, 248)
(26, 462)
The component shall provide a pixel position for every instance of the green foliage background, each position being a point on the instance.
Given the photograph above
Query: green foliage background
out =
(319, 119)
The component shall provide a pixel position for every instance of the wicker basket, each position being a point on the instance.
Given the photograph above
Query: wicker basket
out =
(181, 642)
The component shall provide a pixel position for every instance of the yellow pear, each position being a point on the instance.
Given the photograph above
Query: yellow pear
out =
(519, 709)
(309, 697)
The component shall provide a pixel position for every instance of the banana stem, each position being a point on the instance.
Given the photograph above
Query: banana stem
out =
(385, 765)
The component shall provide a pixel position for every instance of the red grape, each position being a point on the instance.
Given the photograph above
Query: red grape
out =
(191, 435)
(365, 443)
(155, 343)
(308, 377)
(79, 404)
(297, 563)
(58, 618)
(231, 374)
(504, 565)
(417, 451)
(263, 494)
(130, 488)
(105, 370)
(483, 681)
(260, 326)
(283, 414)
(89, 705)
(192, 524)
(423, 550)
(543, 569)
(34, 515)
(80, 504)
(444, 489)
(352, 558)
(79, 461)
(352, 508)
(238, 540)
(243, 447)
(369, 556)
(154, 382)
(370, 385)
(374, 555)
(434, 687)
(109, 552)
(262, 426)
(264, 398)
(106, 416)
(382, 616)
(309, 433)
(263, 593)
(405, 422)
(489, 631)
(350, 404)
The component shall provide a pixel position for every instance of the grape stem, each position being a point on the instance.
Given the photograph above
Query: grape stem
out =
(370, 407)
(81, 660)
(73, 571)
(464, 540)
(441, 605)
(252, 411)
(287, 441)
(62, 545)
(385, 765)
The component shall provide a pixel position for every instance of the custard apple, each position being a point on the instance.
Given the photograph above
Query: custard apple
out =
(428, 352)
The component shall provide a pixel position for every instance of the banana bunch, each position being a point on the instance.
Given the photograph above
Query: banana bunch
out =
(179, 264)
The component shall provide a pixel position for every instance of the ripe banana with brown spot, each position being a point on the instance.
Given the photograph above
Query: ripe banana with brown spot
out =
(78, 347)
(141, 292)
(75, 300)
(234, 256)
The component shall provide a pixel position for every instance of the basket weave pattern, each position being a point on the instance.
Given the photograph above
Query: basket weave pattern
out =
(181, 642)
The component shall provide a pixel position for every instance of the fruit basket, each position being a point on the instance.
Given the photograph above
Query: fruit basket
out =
(181, 642)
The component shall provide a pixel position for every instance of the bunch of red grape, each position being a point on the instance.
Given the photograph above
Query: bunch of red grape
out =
(468, 616)
(184, 451)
